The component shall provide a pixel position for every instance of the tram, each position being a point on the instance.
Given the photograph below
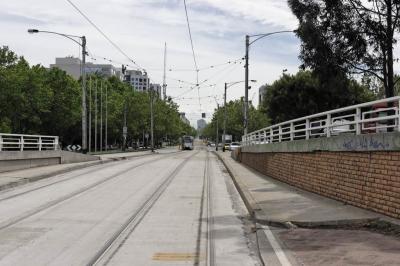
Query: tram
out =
(187, 143)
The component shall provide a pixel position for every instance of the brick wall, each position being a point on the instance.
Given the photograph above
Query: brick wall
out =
(369, 180)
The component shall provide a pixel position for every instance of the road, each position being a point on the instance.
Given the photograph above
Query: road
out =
(176, 208)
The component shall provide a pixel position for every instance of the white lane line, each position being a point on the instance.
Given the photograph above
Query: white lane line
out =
(277, 248)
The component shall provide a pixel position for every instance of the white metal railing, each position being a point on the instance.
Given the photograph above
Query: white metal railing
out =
(17, 142)
(371, 117)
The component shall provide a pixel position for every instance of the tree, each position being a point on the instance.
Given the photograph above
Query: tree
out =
(234, 120)
(342, 37)
(35, 100)
(294, 96)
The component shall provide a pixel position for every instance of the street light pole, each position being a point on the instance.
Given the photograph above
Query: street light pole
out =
(246, 73)
(216, 141)
(151, 121)
(84, 110)
(83, 77)
(224, 125)
(246, 85)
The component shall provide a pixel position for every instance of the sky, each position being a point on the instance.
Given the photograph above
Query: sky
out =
(141, 27)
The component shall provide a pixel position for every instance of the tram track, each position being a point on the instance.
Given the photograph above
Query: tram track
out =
(207, 216)
(60, 200)
(97, 169)
(119, 237)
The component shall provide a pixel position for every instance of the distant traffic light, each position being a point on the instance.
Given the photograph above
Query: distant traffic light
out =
(203, 115)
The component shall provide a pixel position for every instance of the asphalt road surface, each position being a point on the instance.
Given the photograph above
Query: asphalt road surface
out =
(176, 208)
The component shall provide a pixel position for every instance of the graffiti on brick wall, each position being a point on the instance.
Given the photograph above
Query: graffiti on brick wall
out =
(367, 143)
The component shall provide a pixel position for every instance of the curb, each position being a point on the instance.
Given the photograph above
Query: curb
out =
(249, 202)
(23, 181)
(43, 176)
(258, 217)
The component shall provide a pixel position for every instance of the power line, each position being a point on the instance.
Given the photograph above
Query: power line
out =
(102, 33)
(190, 36)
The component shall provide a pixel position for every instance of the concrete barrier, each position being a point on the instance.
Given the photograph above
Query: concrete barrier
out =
(17, 160)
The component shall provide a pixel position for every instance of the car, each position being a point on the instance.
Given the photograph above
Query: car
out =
(226, 147)
(234, 146)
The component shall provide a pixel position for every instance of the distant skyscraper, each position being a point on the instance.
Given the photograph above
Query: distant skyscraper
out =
(201, 124)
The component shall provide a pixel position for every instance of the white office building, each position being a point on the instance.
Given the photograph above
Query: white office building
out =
(72, 66)
(138, 80)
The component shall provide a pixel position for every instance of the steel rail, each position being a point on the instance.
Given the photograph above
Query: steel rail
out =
(79, 192)
(119, 237)
(90, 170)
(210, 217)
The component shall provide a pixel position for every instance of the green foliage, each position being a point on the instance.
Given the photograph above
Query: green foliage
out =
(344, 37)
(35, 100)
(303, 94)
(234, 121)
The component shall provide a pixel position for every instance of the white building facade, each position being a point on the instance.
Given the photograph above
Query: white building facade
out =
(138, 80)
(73, 65)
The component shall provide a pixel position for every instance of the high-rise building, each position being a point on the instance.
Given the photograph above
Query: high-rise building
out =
(138, 80)
(156, 88)
(184, 118)
(201, 124)
(72, 66)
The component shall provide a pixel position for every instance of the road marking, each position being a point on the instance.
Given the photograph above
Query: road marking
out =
(277, 248)
(175, 256)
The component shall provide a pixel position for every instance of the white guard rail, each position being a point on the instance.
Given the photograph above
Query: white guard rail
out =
(16, 142)
(366, 118)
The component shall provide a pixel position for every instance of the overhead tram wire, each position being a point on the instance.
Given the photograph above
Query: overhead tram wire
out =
(103, 34)
(194, 54)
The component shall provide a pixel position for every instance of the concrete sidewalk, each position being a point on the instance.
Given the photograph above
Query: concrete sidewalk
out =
(273, 202)
(15, 178)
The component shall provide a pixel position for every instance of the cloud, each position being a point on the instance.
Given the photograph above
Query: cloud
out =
(140, 28)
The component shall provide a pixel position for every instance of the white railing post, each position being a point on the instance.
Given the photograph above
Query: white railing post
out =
(328, 125)
(40, 143)
(271, 135)
(358, 121)
(1, 143)
(398, 116)
(307, 128)
(280, 133)
(21, 143)
(291, 131)
(265, 136)
(56, 144)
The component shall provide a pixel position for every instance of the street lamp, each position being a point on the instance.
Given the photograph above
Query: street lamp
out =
(83, 75)
(227, 85)
(246, 86)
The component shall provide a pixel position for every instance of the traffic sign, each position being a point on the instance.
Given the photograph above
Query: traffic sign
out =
(74, 147)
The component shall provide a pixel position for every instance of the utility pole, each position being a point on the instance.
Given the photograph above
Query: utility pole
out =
(216, 142)
(84, 109)
(101, 116)
(246, 86)
(165, 74)
(124, 129)
(151, 119)
(90, 113)
(106, 118)
(224, 131)
(95, 118)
